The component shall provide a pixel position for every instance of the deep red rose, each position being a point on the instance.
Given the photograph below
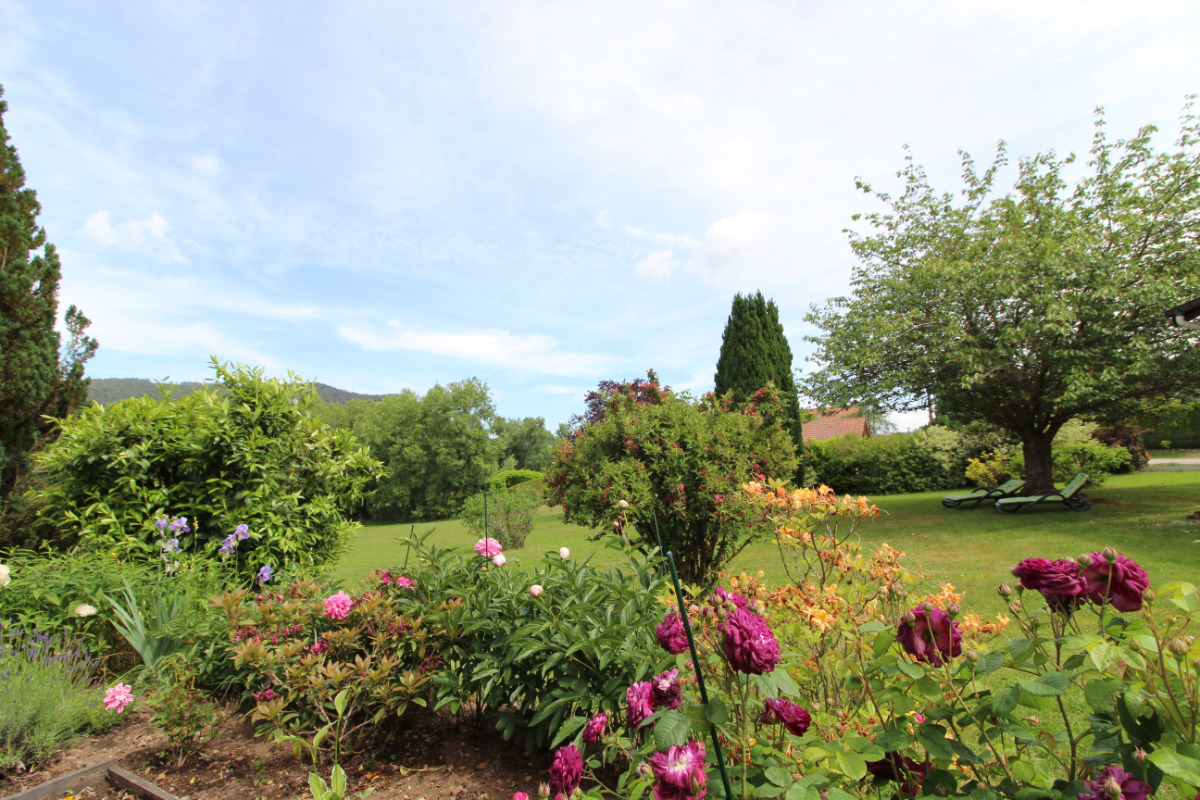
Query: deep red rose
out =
(793, 717)
(895, 767)
(928, 634)
(566, 771)
(1111, 780)
(671, 635)
(1059, 581)
(1121, 584)
(749, 644)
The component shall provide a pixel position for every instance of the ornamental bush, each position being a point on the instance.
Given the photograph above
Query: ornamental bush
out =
(243, 452)
(510, 515)
(678, 461)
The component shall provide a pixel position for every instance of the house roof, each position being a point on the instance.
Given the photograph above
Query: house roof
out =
(829, 427)
(834, 413)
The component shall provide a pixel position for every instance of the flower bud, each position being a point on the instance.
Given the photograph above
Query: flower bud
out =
(644, 770)
(1005, 590)
(897, 589)
(1112, 788)
(1110, 555)
(972, 656)
(1180, 647)
(1134, 645)
(1084, 560)
(910, 617)
(622, 504)
(616, 523)
(1149, 596)
(543, 790)
(1139, 756)
(1015, 606)
(693, 609)
(952, 610)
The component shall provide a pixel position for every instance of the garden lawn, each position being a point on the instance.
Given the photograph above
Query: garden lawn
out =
(1141, 515)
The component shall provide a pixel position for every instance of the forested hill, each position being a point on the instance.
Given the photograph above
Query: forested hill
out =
(110, 390)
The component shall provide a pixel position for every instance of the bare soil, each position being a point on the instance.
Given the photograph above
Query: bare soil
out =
(435, 759)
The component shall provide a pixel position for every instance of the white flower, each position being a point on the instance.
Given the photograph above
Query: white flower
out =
(85, 610)
(623, 504)
(564, 552)
(5, 575)
(499, 559)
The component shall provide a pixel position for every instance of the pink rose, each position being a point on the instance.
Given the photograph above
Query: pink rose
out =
(338, 605)
(679, 772)
(594, 730)
(117, 697)
(566, 771)
(671, 635)
(640, 699)
(749, 644)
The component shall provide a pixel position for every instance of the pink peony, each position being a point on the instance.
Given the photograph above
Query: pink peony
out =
(640, 699)
(928, 634)
(749, 644)
(520, 796)
(1121, 584)
(595, 728)
(338, 606)
(793, 717)
(1059, 581)
(404, 583)
(486, 548)
(668, 692)
(1114, 783)
(535, 590)
(117, 697)
(564, 552)
(671, 635)
(499, 560)
(566, 771)
(679, 772)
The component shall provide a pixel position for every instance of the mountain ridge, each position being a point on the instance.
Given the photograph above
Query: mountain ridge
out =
(113, 390)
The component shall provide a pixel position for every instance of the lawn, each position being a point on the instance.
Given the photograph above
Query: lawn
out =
(1141, 515)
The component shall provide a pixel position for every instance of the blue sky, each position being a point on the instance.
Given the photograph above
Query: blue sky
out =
(388, 195)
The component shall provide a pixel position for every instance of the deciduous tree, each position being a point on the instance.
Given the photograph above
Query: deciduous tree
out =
(1030, 308)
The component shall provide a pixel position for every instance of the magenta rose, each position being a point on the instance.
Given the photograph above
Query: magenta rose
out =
(720, 597)
(1121, 584)
(679, 772)
(671, 635)
(566, 771)
(928, 634)
(639, 698)
(1059, 582)
(594, 730)
(667, 691)
(1113, 782)
(749, 644)
(793, 717)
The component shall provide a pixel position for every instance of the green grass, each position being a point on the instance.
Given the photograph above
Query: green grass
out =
(1168, 454)
(1141, 515)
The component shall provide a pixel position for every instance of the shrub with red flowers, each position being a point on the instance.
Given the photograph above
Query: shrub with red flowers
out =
(678, 460)
(929, 635)
(297, 647)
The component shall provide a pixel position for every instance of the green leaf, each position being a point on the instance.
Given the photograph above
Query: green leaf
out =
(1099, 693)
(1177, 765)
(1048, 684)
(716, 712)
(1023, 771)
(337, 782)
(910, 669)
(989, 662)
(852, 764)
(672, 728)
(778, 776)
(933, 739)
(893, 739)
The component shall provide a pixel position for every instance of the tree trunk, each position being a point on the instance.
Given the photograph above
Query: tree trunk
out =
(1039, 462)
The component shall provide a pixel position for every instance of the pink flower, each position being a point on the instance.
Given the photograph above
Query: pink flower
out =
(679, 772)
(640, 700)
(667, 691)
(671, 635)
(793, 717)
(749, 644)
(564, 552)
(1059, 581)
(1121, 583)
(499, 559)
(1113, 783)
(404, 583)
(928, 634)
(338, 605)
(566, 771)
(535, 590)
(117, 697)
(486, 548)
(595, 728)
(520, 796)
(721, 597)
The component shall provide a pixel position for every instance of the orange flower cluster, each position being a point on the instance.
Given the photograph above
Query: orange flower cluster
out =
(944, 597)
(820, 501)
(971, 624)
(821, 610)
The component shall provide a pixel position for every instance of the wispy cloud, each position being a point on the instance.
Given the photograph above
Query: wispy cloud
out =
(145, 236)
(531, 353)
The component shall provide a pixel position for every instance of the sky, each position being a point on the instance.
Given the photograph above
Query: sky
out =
(384, 195)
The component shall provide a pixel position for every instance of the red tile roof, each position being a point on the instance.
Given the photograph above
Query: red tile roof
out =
(828, 427)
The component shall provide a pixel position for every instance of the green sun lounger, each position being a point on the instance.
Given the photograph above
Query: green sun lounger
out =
(974, 498)
(1069, 496)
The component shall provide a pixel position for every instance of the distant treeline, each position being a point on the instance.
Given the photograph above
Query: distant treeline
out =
(112, 390)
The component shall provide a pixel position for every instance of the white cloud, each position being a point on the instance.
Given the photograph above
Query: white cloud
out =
(205, 165)
(536, 353)
(734, 240)
(146, 236)
(656, 266)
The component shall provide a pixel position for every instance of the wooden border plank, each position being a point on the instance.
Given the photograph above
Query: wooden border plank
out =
(124, 779)
(64, 785)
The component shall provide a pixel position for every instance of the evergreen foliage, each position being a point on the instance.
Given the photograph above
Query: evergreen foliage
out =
(35, 382)
(755, 353)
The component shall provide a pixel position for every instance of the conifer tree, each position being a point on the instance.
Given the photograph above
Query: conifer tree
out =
(34, 382)
(754, 352)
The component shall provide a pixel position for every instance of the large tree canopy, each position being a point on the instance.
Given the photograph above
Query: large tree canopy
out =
(1027, 309)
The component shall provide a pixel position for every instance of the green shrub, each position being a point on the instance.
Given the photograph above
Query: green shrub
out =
(989, 470)
(46, 695)
(535, 661)
(1175, 425)
(247, 454)
(185, 716)
(879, 465)
(510, 515)
(508, 478)
(1097, 460)
(678, 461)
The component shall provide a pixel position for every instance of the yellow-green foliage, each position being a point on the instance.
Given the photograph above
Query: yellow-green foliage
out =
(989, 470)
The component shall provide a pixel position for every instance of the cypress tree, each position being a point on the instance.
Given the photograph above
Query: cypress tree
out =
(33, 381)
(754, 352)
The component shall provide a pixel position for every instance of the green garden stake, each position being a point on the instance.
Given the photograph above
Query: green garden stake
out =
(718, 755)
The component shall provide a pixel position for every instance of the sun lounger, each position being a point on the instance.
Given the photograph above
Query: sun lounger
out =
(974, 498)
(1069, 497)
